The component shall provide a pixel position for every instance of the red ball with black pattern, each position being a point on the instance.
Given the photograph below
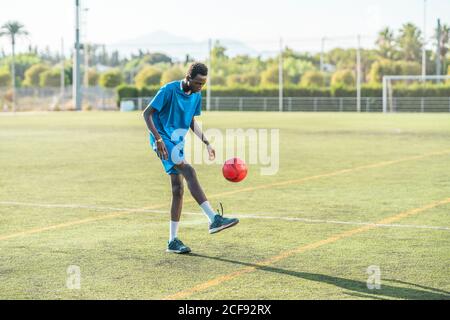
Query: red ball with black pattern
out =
(235, 170)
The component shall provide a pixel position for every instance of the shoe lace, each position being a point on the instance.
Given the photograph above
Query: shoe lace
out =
(220, 213)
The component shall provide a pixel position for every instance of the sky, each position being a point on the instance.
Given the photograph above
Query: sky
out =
(258, 23)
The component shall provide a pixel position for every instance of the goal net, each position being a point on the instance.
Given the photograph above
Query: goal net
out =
(416, 94)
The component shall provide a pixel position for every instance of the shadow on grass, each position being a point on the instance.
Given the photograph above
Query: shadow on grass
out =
(355, 288)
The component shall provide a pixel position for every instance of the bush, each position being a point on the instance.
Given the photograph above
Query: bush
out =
(250, 79)
(93, 77)
(23, 62)
(375, 91)
(272, 91)
(148, 76)
(315, 79)
(270, 76)
(218, 80)
(5, 78)
(150, 91)
(421, 90)
(344, 78)
(388, 67)
(32, 75)
(448, 73)
(111, 79)
(52, 78)
(172, 74)
(126, 91)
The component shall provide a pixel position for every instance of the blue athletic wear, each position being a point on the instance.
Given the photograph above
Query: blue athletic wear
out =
(175, 110)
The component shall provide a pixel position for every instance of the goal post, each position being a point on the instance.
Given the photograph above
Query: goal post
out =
(389, 89)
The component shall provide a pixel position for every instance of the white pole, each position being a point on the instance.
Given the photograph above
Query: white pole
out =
(424, 50)
(384, 94)
(208, 91)
(280, 76)
(86, 65)
(76, 60)
(85, 49)
(13, 74)
(358, 75)
(63, 77)
(438, 49)
(322, 53)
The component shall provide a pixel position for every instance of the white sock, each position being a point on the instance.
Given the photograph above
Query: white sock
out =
(208, 211)
(173, 230)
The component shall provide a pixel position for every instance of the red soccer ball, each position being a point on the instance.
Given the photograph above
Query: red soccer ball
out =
(235, 170)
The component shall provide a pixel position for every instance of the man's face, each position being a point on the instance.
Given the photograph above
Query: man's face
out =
(197, 84)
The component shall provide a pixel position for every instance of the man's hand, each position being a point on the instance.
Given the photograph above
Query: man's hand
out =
(211, 152)
(162, 150)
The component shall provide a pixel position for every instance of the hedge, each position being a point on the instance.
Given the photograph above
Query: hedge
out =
(415, 90)
(126, 91)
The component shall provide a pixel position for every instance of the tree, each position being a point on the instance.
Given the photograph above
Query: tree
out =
(93, 77)
(22, 63)
(344, 78)
(172, 74)
(386, 43)
(218, 51)
(155, 58)
(444, 43)
(32, 75)
(13, 29)
(111, 79)
(5, 78)
(249, 79)
(270, 76)
(389, 68)
(314, 79)
(342, 58)
(148, 76)
(409, 42)
(52, 78)
(295, 68)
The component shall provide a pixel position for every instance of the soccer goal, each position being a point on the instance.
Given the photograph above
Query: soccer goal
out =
(416, 94)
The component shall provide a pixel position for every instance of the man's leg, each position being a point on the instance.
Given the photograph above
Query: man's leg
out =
(175, 245)
(217, 223)
(190, 175)
(177, 196)
(196, 190)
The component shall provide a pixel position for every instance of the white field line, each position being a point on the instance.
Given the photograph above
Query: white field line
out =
(241, 216)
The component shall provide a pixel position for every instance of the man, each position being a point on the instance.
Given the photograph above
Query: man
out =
(169, 117)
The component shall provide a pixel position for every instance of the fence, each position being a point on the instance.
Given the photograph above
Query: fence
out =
(96, 98)
(317, 104)
(51, 99)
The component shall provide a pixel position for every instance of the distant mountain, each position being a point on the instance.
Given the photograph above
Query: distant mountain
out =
(177, 47)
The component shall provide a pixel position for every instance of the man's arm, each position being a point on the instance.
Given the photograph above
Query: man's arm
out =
(148, 117)
(198, 132)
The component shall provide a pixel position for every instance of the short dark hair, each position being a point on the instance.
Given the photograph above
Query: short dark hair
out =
(196, 69)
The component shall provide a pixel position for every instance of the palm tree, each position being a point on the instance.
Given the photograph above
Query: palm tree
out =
(444, 43)
(13, 29)
(386, 43)
(410, 42)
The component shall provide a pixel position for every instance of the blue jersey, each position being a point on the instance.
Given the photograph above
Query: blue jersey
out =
(174, 111)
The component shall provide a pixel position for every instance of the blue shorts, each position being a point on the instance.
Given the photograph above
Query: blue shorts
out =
(176, 154)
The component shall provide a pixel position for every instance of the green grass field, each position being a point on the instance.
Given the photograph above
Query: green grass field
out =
(73, 186)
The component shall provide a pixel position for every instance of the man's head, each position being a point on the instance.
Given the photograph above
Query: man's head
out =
(197, 76)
